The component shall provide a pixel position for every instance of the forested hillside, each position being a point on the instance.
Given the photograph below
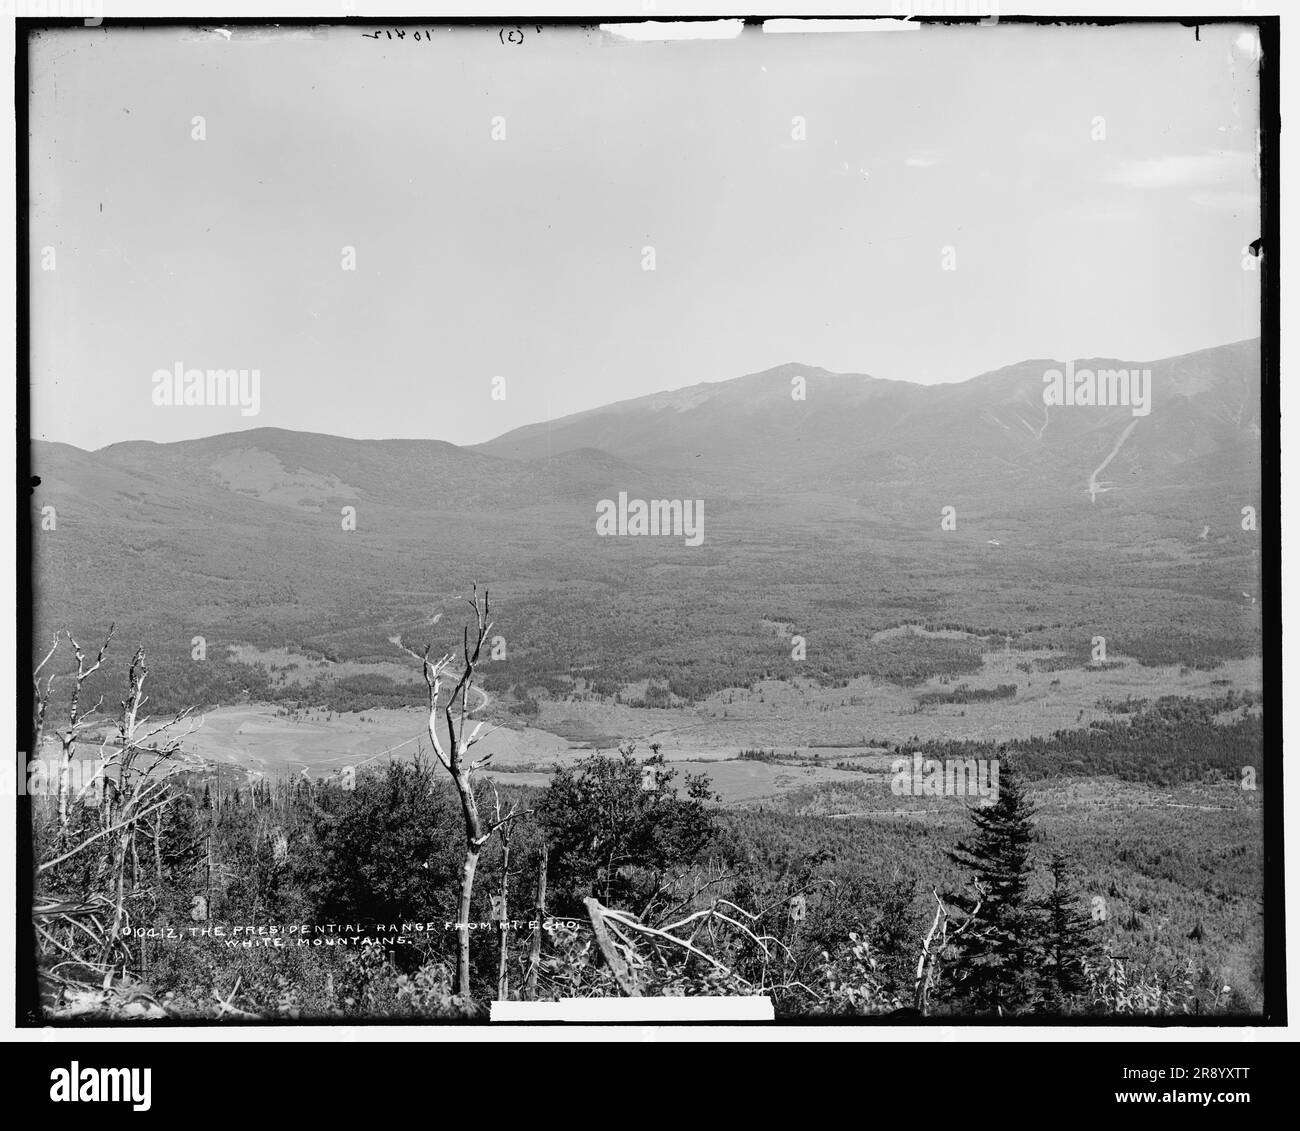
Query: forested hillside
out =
(168, 892)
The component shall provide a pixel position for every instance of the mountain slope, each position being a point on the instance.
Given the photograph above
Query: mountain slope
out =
(992, 434)
(824, 514)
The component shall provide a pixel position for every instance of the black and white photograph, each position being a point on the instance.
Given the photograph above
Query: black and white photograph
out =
(755, 521)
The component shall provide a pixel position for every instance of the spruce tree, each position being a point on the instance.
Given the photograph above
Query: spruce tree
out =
(1069, 939)
(999, 953)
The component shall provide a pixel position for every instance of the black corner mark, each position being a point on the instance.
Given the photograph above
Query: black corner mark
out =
(36, 482)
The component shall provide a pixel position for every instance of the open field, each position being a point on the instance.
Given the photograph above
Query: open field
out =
(809, 728)
(259, 739)
(801, 716)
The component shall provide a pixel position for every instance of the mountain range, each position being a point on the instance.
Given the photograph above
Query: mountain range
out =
(994, 430)
(822, 491)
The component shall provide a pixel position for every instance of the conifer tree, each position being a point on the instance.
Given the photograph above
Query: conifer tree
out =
(1069, 939)
(997, 958)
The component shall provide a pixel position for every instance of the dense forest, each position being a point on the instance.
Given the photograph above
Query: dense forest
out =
(1175, 739)
(586, 638)
(836, 915)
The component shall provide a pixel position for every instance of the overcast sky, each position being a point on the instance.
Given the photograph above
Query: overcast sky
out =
(522, 257)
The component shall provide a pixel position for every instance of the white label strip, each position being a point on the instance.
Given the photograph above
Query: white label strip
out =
(604, 1010)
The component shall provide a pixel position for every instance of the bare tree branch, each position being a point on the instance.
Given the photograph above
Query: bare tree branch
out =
(103, 832)
(452, 755)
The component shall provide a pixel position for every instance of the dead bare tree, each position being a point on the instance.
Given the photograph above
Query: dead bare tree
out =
(693, 881)
(131, 781)
(41, 697)
(453, 754)
(503, 976)
(930, 950)
(78, 720)
(535, 950)
(137, 775)
(617, 934)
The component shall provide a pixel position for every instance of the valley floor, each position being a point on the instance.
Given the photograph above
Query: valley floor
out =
(816, 735)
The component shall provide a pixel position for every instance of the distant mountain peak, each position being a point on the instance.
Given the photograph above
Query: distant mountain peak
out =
(851, 428)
